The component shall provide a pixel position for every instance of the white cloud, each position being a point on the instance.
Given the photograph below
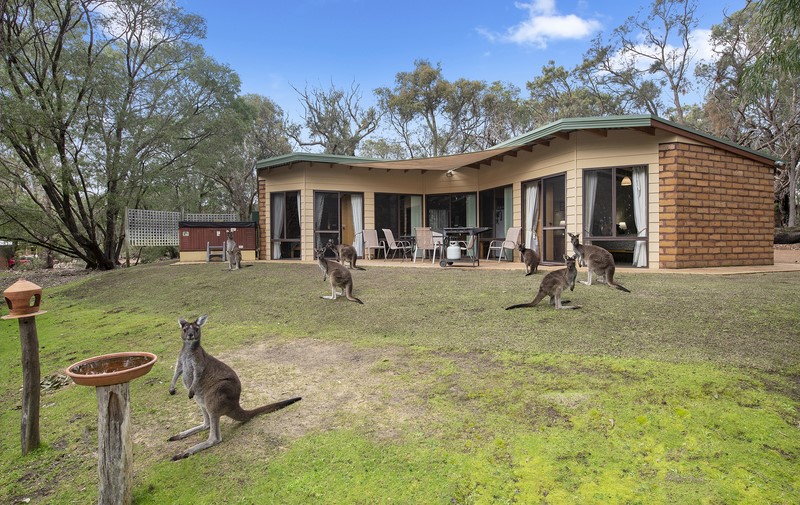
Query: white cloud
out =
(545, 24)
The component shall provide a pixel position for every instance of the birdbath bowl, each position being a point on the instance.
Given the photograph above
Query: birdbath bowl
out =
(111, 369)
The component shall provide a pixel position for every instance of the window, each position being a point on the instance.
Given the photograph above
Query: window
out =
(452, 210)
(615, 212)
(285, 214)
(399, 213)
(338, 217)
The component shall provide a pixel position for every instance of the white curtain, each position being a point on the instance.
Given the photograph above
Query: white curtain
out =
(357, 202)
(319, 206)
(640, 214)
(589, 195)
(278, 211)
(532, 216)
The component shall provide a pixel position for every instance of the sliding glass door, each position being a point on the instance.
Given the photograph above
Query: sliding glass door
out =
(338, 217)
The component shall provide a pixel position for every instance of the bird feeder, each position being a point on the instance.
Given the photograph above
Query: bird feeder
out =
(24, 299)
(110, 374)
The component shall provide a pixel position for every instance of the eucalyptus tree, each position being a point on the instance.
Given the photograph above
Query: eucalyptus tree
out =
(100, 101)
(764, 116)
(253, 128)
(647, 54)
(335, 119)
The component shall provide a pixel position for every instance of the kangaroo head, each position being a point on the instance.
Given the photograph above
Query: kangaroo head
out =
(570, 262)
(320, 253)
(575, 239)
(190, 332)
(521, 247)
(230, 234)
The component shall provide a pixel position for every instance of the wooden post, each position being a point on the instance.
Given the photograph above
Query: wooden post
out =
(115, 450)
(30, 384)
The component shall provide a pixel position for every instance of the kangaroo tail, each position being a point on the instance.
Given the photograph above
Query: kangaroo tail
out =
(243, 415)
(610, 282)
(535, 301)
(348, 293)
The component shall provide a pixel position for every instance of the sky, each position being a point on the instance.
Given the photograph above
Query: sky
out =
(277, 45)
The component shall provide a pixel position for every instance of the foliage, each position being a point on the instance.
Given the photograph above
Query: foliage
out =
(335, 119)
(435, 397)
(100, 102)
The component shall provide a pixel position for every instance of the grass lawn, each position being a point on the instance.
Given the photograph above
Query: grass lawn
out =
(686, 390)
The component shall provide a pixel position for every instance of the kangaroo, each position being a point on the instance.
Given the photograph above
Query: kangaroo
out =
(344, 253)
(554, 284)
(597, 260)
(233, 252)
(338, 276)
(213, 385)
(530, 258)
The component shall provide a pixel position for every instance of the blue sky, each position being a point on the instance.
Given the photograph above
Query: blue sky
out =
(274, 45)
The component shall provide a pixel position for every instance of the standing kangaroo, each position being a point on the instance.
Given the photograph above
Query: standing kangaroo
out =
(213, 385)
(597, 260)
(233, 252)
(344, 252)
(554, 284)
(338, 276)
(530, 258)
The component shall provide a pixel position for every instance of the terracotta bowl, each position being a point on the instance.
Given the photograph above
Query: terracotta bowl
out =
(111, 369)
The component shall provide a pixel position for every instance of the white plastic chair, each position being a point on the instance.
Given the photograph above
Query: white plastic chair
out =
(371, 242)
(426, 242)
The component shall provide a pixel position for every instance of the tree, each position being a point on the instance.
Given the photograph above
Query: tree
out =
(646, 56)
(558, 93)
(763, 117)
(335, 119)
(253, 128)
(430, 115)
(99, 101)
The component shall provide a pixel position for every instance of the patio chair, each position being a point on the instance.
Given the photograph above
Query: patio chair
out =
(500, 245)
(468, 247)
(426, 242)
(395, 245)
(371, 243)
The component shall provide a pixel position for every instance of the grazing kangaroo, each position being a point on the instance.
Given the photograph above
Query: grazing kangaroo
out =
(338, 276)
(553, 285)
(233, 252)
(530, 258)
(213, 385)
(345, 252)
(597, 260)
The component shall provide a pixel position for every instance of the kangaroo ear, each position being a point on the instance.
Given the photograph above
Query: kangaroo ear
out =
(566, 257)
(182, 322)
(201, 320)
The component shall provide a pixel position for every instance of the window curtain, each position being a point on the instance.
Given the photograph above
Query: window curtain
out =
(357, 203)
(319, 207)
(639, 180)
(472, 210)
(532, 216)
(278, 213)
(589, 195)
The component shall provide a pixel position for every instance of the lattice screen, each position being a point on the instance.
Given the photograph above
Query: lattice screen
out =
(152, 227)
(211, 217)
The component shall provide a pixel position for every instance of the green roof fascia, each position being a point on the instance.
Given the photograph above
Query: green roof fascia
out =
(632, 121)
(288, 159)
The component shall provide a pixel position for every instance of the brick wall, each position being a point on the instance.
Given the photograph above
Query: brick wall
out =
(265, 226)
(715, 208)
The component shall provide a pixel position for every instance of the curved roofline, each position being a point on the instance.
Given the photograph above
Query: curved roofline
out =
(645, 122)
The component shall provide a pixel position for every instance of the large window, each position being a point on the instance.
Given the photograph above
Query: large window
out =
(285, 214)
(451, 210)
(615, 212)
(399, 213)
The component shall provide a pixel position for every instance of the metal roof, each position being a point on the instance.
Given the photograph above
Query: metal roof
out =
(542, 135)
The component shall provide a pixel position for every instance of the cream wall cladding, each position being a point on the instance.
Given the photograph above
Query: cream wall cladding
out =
(567, 147)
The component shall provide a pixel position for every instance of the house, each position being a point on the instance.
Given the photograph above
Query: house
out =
(654, 193)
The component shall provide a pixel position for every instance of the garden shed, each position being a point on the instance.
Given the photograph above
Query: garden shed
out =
(203, 240)
(655, 193)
